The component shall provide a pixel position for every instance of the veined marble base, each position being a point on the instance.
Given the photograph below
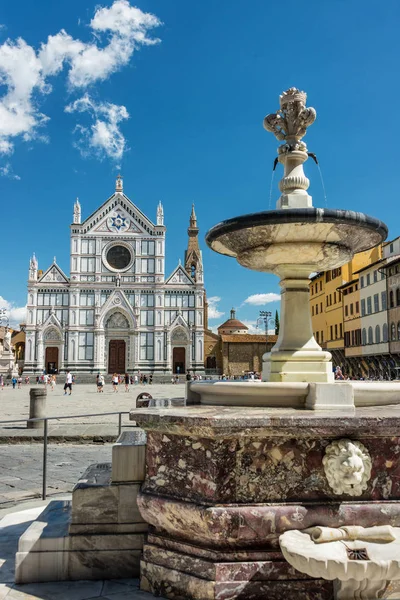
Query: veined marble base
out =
(223, 483)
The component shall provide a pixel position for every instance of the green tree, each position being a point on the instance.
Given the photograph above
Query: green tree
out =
(276, 323)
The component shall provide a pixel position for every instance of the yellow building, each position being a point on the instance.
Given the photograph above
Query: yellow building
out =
(327, 306)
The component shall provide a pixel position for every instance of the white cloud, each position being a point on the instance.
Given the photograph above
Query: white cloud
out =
(103, 138)
(260, 299)
(213, 312)
(7, 171)
(15, 314)
(24, 72)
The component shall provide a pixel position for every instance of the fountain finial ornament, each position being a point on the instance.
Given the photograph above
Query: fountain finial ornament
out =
(289, 124)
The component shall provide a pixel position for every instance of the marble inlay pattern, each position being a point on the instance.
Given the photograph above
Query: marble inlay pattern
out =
(247, 469)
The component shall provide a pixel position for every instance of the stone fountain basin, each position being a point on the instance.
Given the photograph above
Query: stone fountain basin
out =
(330, 560)
(292, 395)
(315, 238)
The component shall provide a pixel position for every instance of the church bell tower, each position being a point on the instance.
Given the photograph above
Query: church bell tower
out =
(193, 259)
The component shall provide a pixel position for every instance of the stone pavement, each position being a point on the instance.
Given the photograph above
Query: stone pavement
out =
(12, 525)
(21, 468)
(84, 400)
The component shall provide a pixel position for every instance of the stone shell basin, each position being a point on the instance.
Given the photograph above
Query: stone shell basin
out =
(330, 560)
(316, 239)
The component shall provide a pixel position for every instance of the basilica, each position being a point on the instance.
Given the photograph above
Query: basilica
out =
(117, 311)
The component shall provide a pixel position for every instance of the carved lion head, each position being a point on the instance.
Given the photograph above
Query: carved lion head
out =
(347, 466)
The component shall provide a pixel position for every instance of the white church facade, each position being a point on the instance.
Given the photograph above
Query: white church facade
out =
(117, 311)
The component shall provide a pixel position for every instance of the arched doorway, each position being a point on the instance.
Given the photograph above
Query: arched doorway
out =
(51, 359)
(117, 328)
(178, 360)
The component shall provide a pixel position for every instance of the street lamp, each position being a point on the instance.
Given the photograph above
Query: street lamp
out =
(266, 318)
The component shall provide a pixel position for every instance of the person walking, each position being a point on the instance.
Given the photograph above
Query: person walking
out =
(68, 383)
(100, 383)
(136, 380)
(115, 380)
(14, 382)
(126, 382)
(19, 382)
(45, 379)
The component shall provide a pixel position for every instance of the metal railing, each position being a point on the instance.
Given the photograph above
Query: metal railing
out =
(45, 434)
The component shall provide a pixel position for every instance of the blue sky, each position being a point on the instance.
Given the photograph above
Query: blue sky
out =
(173, 94)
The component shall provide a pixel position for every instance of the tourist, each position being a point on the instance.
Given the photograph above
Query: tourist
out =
(127, 382)
(144, 379)
(14, 382)
(115, 381)
(45, 379)
(37, 379)
(52, 382)
(26, 380)
(188, 376)
(151, 379)
(136, 379)
(100, 383)
(68, 383)
(1, 382)
(19, 382)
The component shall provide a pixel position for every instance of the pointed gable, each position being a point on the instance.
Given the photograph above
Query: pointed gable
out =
(54, 275)
(118, 215)
(117, 301)
(179, 277)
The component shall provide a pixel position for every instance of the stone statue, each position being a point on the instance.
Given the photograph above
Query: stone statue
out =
(7, 340)
(291, 121)
(347, 466)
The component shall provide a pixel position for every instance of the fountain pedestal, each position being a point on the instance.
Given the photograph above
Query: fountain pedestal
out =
(222, 484)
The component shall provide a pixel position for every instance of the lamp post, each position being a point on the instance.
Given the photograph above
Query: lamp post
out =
(266, 318)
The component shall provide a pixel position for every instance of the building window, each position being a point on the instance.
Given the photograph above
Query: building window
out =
(391, 248)
(385, 332)
(351, 309)
(147, 300)
(88, 265)
(147, 346)
(362, 281)
(398, 330)
(368, 279)
(336, 332)
(398, 297)
(383, 301)
(370, 336)
(376, 302)
(334, 297)
(322, 337)
(364, 337)
(393, 332)
(377, 334)
(312, 311)
(147, 265)
(375, 276)
(88, 246)
(86, 299)
(341, 330)
(357, 307)
(320, 286)
(85, 351)
(369, 305)
(86, 317)
(148, 248)
(317, 337)
(363, 307)
(346, 311)
(331, 329)
(382, 275)
(147, 317)
(391, 299)
(320, 307)
(316, 309)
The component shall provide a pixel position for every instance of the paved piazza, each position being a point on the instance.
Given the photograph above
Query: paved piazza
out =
(84, 399)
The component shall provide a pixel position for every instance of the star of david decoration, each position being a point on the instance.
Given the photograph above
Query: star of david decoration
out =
(118, 223)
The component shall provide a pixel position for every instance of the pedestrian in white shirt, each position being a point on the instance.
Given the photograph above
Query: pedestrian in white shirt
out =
(68, 383)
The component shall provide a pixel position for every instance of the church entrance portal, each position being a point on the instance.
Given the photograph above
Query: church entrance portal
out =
(178, 360)
(51, 360)
(116, 356)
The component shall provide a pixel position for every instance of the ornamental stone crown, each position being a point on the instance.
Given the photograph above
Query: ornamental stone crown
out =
(292, 95)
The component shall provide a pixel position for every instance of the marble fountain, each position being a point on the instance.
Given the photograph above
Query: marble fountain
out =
(288, 488)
